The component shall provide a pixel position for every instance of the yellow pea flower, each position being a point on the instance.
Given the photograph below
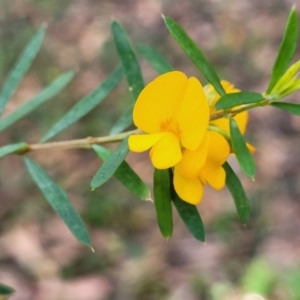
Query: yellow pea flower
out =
(213, 97)
(223, 123)
(173, 112)
(200, 167)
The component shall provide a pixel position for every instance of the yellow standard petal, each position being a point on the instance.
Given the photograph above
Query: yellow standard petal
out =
(193, 115)
(241, 120)
(213, 174)
(158, 101)
(193, 161)
(143, 142)
(189, 190)
(213, 97)
(218, 149)
(166, 153)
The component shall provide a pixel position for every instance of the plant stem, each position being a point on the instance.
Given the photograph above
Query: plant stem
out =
(233, 112)
(81, 143)
(89, 141)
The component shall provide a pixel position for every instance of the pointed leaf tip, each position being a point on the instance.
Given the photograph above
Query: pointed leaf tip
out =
(59, 201)
(163, 202)
(194, 53)
(238, 194)
(6, 290)
(286, 51)
(126, 175)
(189, 214)
(111, 164)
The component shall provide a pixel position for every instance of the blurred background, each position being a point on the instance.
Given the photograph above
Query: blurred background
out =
(38, 255)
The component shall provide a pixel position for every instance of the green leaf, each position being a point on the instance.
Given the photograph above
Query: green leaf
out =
(6, 290)
(194, 53)
(238, 194)
(188, 213)
(191, 218)
(49, 92)
(241, 150)
(286, 50)
(59, 201)
(86, 104)
(124, 121)
(126, 175)
(235, 99)
(12, 148)
(20, 68)
(163, 202)
(289, 107)
(110, 165)
(129, 61)
(155, 59)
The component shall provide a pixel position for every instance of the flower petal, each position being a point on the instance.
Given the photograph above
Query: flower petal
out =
(213, 174)
(241, 120)
(218, 149)
(193, 115)
(158, 101)
(193, 161)
(251, 148)
(166, 153)
(143, 142)
(213, 96)
(189, 190)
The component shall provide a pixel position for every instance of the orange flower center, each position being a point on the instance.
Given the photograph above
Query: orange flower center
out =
(172, 126)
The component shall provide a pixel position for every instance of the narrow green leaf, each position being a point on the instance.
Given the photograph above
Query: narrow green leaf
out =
(194, 53)
(59, 201)
(20, 68)
(241, 150)
(235, 99)
(163, 202)
(110, 165)
(6, 290)
(129, 61)
(188, 213)
(124, 121)
(238, 194)
(292, 108)
(286, 50)
(86, 104)
(155, 59)
(12, 148)
(126, 175)
(191, 218)
(49, 92)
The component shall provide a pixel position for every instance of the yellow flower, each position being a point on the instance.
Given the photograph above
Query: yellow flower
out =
(204, 165)
(173, 112)
(213, 97)
(200, 167)
(223, 123)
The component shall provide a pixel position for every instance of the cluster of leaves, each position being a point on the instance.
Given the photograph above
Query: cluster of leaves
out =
(114, 163)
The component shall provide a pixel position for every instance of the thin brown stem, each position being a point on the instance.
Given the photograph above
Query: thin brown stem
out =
(81, 143)
(89, 141)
